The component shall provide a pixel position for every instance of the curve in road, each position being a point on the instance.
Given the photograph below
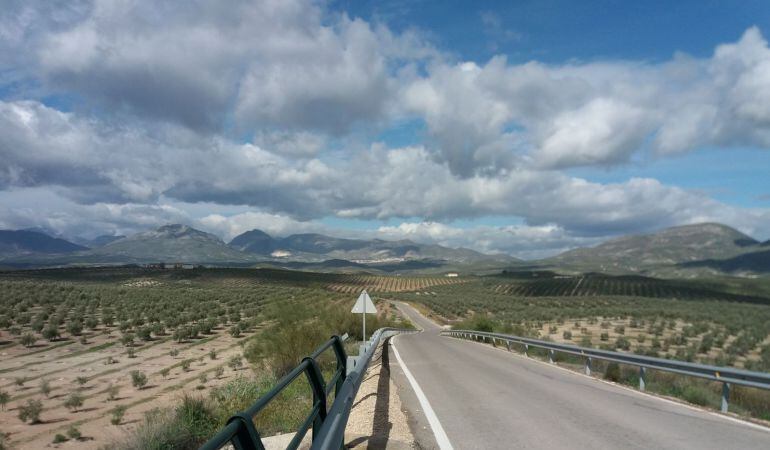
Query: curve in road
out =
(491, 399)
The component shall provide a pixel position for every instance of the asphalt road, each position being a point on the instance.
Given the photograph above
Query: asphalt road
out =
(488, 398)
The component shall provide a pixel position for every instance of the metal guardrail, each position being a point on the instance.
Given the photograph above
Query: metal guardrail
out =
(332, 433)
(328, 424)
(726, 375)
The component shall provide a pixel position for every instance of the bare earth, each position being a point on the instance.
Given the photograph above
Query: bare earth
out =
(377, 420)
(62, 365)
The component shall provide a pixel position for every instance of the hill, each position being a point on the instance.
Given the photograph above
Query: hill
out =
(170, 243)
(748, 263)
(99, 241)
(666, 252)
(311, 247)
(14, 243)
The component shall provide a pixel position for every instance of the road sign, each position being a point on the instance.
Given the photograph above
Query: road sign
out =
(364, 306)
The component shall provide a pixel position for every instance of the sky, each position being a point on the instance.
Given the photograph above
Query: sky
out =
(526, 127)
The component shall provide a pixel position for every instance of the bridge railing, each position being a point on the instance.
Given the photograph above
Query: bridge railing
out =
(328, 423)
(726, 375)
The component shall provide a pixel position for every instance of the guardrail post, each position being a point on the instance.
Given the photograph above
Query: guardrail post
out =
(508, 344)
(526, 350)
(588, 366)
(550, 355)
(342, 363)
(247, 437)
(316, 380)
(725, 396)
(642, 375)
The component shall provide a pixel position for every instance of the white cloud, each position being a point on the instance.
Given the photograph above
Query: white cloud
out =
(161, 92)
(595, 113)
(287, 63)
(275, 225)
(86, 161)
(47, 209)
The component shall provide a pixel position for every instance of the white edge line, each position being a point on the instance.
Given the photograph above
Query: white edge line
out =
(438, 431)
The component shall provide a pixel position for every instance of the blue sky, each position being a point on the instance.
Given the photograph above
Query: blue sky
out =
(555, 31)
(526, 127)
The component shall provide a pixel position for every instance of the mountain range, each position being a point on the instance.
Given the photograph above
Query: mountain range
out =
(689, 250)
(684, 251)
(181, 243)
(29, 242)
(319, 247)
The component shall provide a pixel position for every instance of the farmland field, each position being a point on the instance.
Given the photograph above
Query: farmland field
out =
(100, 350)
(379, 284)
(80, 345)
(720, 322)
(679, 319)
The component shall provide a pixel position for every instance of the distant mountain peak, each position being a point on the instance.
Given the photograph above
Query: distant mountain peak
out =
(17, 242)
(315, 247)
(172, 242)
(176, 229)
(662, 249)
(254, 241)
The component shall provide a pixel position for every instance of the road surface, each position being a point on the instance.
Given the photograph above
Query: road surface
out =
(486, 398)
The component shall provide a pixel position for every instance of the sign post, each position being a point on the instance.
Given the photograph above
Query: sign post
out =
(364, 306)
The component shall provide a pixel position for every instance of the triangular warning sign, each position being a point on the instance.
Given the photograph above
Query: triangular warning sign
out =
(364, 302)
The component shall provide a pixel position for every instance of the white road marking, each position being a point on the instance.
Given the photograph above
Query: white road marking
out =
(438, 431)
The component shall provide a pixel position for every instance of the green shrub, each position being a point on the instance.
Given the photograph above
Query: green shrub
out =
(45, 387)
(31, 411)
(4, 398)
(281, 415)
(612, 372)
(74, 401)
(59, 438)
(196, 416)
(697, 395)
(28, 340)
(117, 414)
(185, 427)
(138, 379)
(73, 433)
(74, 328)
(235, 362)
